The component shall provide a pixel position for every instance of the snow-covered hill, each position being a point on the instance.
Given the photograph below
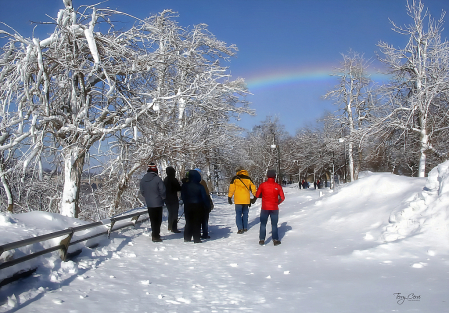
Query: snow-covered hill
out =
(379, 244)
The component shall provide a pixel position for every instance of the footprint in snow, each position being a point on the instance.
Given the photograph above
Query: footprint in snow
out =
(172, 302)
(57, 301)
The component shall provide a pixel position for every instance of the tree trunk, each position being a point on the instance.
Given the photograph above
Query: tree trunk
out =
(7, 190)
(350, 162)
(422, 159)
(73, 168)
(121, 188)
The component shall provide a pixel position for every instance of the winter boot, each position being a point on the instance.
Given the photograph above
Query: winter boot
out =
(240, 231)
(276, 242)
(261, 242)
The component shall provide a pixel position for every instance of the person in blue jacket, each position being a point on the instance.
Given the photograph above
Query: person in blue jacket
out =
(196, 202)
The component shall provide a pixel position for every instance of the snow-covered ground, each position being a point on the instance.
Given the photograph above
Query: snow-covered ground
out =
(379, 244)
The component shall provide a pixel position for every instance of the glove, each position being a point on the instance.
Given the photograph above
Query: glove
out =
(253, 200)
(229, 200)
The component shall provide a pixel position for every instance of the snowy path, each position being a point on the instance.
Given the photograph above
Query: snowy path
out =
(328, 262)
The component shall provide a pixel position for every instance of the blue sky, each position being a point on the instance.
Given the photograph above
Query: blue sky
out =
(277, 39)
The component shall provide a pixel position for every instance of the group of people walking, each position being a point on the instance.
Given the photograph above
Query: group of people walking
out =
(198, 203)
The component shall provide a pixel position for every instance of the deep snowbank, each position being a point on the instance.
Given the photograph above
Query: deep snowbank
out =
(424, 216)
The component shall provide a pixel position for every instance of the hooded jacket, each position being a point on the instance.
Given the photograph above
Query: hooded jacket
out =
(193, 192)
(240, 187)
(172, 186)
(152, 189)
(271, 193)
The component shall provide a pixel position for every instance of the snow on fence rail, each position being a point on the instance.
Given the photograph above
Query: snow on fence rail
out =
(64, 243)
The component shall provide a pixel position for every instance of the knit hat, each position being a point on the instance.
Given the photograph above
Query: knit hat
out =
(238, 169)
(152, 167)
(271, 173)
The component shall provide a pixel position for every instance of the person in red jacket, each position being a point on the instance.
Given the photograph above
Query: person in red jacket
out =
(272, 195)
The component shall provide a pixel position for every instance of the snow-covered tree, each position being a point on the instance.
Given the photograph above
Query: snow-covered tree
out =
(353, 97)
(418, 93)
(88, 81)
(265, 149)
(18, 112)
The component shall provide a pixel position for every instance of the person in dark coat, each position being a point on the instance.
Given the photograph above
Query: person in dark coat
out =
(153, 190)
(172, 187)
(305, 184)
(195, 201)
(205, 219)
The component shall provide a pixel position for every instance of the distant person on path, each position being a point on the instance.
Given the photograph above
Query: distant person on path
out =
(241, 186)
(172, 187)
(196, 202)
(205, 219)
(153, 190)
(305, 184)
(272, 195)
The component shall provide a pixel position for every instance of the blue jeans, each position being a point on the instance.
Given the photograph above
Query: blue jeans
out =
(241, 216)
(274, 214)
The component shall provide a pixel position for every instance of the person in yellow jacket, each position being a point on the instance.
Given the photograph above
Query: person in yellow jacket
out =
(241, 186)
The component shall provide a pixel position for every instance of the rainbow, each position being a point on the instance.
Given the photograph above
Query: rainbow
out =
(286, 78)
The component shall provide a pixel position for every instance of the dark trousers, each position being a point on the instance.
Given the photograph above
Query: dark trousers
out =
(205, 223)
(193, 213)
(156, 221)
(173, 209)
